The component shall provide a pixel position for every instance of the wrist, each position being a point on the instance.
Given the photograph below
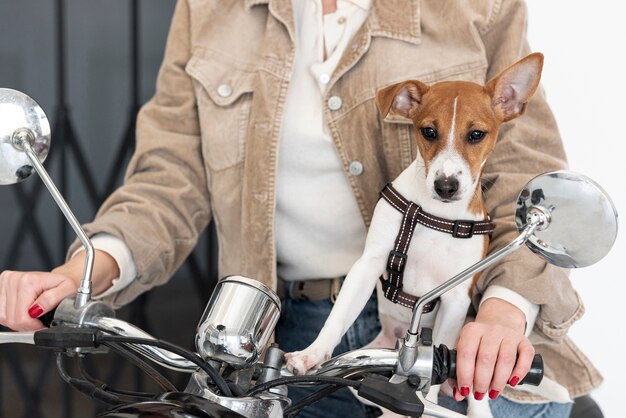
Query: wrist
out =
(105, 269)
(497, 311)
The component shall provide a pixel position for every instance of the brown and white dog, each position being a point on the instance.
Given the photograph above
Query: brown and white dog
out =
(456, 126)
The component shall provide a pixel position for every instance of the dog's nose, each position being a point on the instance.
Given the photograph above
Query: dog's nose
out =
(446, 187)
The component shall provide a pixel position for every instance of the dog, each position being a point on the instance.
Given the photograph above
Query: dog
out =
(456, 126)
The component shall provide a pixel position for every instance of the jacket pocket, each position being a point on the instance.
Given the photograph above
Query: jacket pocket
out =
(224, 98)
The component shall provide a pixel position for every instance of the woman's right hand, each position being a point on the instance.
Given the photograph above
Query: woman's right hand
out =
(25, 296)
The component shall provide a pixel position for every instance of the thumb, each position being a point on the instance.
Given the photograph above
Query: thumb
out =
(50, 297)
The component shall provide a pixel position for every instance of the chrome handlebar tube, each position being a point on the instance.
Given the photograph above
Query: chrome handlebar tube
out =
(162, 357)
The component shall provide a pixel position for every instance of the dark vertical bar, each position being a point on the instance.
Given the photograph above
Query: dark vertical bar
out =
(60, 41)
(129, 138)
(134, 55)
(62, 118)
(61, 131)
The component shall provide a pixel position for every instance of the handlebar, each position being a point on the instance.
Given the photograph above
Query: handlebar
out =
(400, 394)
(158, 355)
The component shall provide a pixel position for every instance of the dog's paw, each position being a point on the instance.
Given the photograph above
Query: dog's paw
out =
(478, 409)
(299, 362)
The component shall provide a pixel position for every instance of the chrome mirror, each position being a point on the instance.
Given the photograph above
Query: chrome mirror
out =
(582, 219)
(21, 119)
(24, 145)
(565, 217)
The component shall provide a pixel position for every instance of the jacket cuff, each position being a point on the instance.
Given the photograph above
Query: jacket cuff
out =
(120, 252)
(529, 309)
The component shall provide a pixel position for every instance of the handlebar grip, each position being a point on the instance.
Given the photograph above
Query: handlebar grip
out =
(46, 319)
(535, 374)
(444, 367)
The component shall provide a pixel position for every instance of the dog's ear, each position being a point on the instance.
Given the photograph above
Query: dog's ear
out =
(401, 98)
(513, 88)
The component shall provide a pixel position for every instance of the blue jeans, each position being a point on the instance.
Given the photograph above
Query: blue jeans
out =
(504, 408)
(299, 324)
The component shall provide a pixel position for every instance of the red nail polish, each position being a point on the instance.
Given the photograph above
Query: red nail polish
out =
(493, 394)
(454, 393)
(514, 380)
(464, 391)
(479, 395)
(35, 311)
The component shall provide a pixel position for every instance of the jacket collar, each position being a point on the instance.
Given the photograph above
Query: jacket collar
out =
(396, 19)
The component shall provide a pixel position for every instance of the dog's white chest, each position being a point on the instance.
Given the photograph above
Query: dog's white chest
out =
(432, 258)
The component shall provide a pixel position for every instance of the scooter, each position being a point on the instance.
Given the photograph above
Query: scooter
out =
(564, 217)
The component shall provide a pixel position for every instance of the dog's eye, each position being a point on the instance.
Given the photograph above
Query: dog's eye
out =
(429, 133)
(475, 136)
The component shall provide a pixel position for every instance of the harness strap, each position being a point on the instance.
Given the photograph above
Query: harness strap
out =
(459, 228)
(412, 215)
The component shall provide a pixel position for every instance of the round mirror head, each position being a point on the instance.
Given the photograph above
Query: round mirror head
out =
(583, 219)
(20, 115)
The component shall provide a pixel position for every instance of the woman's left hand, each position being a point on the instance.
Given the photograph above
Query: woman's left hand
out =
(492, 351)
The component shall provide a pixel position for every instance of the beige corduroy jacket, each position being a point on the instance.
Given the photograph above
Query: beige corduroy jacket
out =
(207, 143)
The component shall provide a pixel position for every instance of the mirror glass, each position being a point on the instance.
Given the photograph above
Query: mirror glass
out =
(583, 224)
(19, 111)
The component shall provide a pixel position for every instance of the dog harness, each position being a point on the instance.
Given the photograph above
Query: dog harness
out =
(412, 215)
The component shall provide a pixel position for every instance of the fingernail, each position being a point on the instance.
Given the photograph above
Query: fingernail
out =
(35, 311)
(479, 395)
(493, 394)
(514, 380)
(464, 391)
(454, 393)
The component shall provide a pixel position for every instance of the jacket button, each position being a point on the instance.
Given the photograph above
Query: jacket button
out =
(324, 78)
(335, 103)
(224, 90)
(356, 168)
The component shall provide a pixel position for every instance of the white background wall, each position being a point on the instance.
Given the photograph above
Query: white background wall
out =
(584, 77)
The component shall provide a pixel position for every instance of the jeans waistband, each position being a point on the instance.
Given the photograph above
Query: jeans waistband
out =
(313, 289)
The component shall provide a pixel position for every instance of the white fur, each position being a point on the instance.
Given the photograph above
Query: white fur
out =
(433, 257)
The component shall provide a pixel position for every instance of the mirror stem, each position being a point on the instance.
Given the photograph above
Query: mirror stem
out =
(84, 290)
(536, 219)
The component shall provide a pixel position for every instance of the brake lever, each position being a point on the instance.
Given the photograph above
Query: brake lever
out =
(402, 396)
(433, 410)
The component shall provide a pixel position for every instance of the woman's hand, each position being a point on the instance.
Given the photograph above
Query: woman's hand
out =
(25, 296)
(492, 351)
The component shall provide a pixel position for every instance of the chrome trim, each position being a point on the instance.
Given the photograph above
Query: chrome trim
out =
(159, 356)
(365, 358)
(17, 337)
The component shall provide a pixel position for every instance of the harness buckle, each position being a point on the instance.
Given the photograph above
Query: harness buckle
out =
(401, 264)
(460, 223)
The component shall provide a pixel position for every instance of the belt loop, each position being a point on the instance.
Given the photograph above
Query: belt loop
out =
(335, 287)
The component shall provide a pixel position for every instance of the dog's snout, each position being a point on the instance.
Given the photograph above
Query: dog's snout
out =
(446, 187)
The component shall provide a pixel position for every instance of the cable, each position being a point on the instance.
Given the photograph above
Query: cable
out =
(129, 393)
(213, 374)
(84, 386)
(310, 399)
(322, 393)
(303, 379)
(161, 380)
